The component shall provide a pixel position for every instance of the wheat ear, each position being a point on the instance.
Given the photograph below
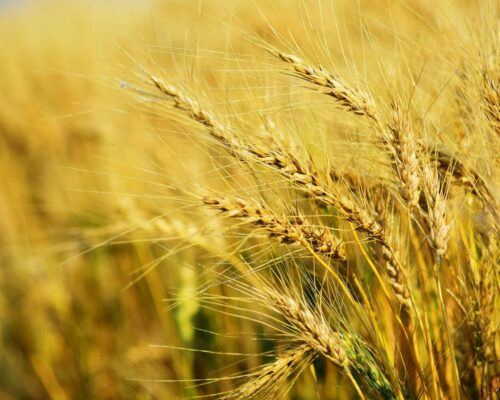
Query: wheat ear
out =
(491, 99)
(402, 149)
(435, 213)
(312, 329)
(451, 164)
(298, 230)
(348, 353)
(353, 100)
(266, 382)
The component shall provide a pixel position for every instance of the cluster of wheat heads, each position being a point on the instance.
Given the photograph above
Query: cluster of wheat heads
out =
(323, 252)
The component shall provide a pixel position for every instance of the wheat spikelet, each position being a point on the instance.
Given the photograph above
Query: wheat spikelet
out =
(194, 110)
(188, 104)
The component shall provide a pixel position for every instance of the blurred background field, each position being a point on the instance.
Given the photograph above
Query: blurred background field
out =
(83, 163)
(69, 133)
(67, 328)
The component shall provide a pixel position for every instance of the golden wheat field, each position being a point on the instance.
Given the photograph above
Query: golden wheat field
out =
(249, 199)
